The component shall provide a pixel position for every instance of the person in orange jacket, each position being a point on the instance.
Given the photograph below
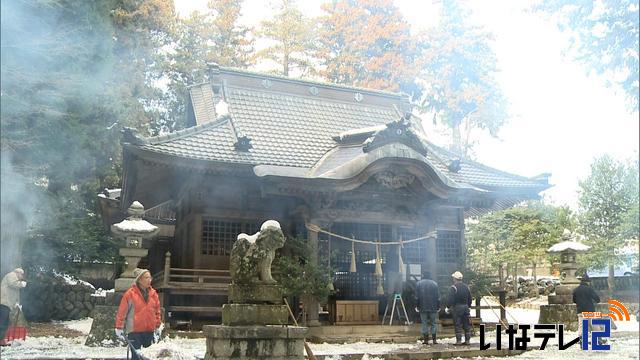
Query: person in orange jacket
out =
(138, 315)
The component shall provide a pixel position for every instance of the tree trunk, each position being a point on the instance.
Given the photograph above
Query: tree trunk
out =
(285, 63)
(456, 141)
(535, 274)
(611, 280)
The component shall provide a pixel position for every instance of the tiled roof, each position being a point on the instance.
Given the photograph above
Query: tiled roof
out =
(295, 129)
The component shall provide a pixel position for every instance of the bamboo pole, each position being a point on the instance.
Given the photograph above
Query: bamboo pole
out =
(295, 322)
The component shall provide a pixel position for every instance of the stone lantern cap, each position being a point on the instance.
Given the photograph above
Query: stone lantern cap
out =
(568, 244)
(134, 225)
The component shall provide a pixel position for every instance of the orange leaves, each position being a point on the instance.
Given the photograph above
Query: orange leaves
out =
(367, 44)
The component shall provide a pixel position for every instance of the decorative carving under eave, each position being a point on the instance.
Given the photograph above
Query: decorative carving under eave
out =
(393, 180)
(396, 131)
(323, 200)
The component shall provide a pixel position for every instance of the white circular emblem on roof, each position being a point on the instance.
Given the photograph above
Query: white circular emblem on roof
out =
(358, 97)
(313, 90)
(266, 83)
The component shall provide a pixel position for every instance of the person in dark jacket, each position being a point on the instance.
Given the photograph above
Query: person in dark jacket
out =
(459, 301)
(585, 299)
(428, 300)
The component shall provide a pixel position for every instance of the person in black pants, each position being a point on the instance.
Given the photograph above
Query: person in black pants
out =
(586, 300)
(459, 301)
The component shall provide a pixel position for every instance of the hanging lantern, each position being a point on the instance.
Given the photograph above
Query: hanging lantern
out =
(378, 271)
(352, 268)
(401, 266)
(380, 289)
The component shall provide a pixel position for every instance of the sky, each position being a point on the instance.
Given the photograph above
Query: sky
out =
(562, 117)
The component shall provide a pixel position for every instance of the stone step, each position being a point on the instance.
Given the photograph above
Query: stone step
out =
(197, 309)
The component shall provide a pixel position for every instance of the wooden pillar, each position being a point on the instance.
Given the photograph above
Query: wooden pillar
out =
(431, 262)
(166, 292)
(503, 305)
(310, 304)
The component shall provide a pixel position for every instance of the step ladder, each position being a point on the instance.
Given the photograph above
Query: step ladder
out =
(396, 297)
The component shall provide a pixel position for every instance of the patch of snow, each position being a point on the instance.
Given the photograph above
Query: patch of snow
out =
(270, 223)
(365, 130)
(222, 109)
(71, 280)
(82, 325)
(62, 348)
(102, 293)
(568, 245)
(135, 225)
(250, 238)
(176, 349)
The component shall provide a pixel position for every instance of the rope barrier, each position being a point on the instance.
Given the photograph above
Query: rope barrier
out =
(505, 310)
(316, 228)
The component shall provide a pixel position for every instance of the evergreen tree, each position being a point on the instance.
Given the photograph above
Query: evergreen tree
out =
(214, 36)
(519, 235)
(608, 205)
(368, 43)
(72, 75)
(293, 36)
(232, 45)
(459, 77)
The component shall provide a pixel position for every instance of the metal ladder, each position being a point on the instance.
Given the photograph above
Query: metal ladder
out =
(396, 297)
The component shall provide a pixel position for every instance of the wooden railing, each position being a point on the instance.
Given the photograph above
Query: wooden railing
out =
(175, 277)
(190, 282)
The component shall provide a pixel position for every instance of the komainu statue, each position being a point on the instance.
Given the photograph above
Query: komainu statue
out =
(252, 255)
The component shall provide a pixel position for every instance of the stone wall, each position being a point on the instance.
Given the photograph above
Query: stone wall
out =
(58, 297)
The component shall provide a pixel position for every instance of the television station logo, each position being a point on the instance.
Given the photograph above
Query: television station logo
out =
(596, 328)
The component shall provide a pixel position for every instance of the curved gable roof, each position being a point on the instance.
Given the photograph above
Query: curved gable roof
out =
(306, 129)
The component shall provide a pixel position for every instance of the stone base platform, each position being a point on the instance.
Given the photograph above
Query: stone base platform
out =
(254, 314)
(255, 294)
(559, 314)
(254, 342)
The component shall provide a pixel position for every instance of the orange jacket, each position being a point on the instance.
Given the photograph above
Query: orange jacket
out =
(136, 315)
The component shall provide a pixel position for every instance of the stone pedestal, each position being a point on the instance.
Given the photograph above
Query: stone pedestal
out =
(559, 314)
(102, 328)
(132, 256)
(255, 294)
(254, 342)
(254, 314)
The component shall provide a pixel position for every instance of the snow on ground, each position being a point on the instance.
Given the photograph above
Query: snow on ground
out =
(359, 348)
(624, 343)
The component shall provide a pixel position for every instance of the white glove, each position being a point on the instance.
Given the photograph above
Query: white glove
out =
(22, 283)
(417, 310)
(447, 311)
(120, 333)
(157, 333)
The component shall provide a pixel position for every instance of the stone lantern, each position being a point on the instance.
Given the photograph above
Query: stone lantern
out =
(567, 249)
(133, 230)
(561, 309)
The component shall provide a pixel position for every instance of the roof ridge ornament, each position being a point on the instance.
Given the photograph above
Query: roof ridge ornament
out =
(396, 131)
(130, 136)
(243, 144)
